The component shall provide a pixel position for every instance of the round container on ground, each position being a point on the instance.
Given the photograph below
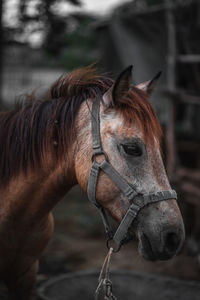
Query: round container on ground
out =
(126, 285)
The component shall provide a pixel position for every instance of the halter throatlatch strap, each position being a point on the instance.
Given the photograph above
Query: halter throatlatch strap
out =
(91, 191)
(94, 172)
(137, 200)
(96, 135)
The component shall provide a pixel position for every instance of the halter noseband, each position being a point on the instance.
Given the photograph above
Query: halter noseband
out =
(138, 201)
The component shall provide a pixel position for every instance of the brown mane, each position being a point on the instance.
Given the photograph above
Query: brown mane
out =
(37, 126)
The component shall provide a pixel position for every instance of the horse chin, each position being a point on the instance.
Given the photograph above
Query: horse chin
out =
(146, 251)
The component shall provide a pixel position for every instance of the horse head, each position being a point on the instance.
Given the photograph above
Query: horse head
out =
(130, 136)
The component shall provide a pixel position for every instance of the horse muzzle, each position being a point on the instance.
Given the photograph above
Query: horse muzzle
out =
(160, 239)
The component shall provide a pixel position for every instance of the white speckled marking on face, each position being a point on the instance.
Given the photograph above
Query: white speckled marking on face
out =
(148, 183)
(113, 119)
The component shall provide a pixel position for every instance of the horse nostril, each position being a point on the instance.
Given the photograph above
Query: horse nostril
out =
(172, 241)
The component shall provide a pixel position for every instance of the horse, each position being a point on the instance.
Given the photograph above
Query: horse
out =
(46, 149)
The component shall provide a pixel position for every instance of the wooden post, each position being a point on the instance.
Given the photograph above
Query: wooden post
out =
(171, 84)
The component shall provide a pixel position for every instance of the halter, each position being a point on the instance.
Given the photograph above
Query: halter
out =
(137, 200)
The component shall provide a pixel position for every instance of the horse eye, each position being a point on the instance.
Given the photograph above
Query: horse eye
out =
(132, 149)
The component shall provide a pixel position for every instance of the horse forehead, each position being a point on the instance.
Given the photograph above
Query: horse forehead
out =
(111, 121)
(114, 123)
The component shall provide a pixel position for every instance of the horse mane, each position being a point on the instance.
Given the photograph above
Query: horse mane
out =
(36, 126)
(136, 108)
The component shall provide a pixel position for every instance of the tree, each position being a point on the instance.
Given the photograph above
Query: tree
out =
(46, 19)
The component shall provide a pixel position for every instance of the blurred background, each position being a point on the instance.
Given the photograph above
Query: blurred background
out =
(41, 40)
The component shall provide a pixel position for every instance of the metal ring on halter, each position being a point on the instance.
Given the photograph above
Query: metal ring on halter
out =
(114, 250)
(100, 153)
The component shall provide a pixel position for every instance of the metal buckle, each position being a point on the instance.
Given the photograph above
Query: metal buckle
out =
(94, 155)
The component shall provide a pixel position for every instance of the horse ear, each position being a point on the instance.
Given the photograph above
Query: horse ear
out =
(148, 86)
(119, 89)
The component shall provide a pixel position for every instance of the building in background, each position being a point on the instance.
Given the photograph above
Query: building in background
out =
(140, 36)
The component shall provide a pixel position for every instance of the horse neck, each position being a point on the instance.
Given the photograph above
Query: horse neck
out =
(36, 193)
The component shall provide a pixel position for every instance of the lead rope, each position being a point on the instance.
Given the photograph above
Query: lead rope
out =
(104, 280)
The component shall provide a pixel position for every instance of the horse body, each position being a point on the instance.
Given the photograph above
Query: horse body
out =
(46, 149)
(26, 225)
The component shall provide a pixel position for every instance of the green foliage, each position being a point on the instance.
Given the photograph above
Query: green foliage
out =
(81, 46)
(68, 41)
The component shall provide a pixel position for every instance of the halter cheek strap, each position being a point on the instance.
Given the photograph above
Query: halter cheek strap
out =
(137, 200)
